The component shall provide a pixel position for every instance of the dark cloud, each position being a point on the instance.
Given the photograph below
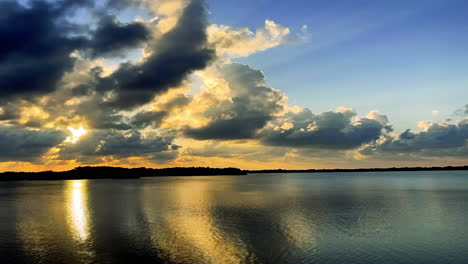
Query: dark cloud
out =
(35, 48)
(462, 112)
(111, 37)
(105, 117)
(154, 118)
(18, 144)
(177, 54)
(102, 143)
(253, 105)
(81, 90)
(164, 157)
(9, 111)
(119, 4)
(439, 139)
(329, 130)
(148, 118)
(101, 116)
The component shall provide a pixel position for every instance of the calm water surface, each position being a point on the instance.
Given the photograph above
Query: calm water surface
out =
(394, 217)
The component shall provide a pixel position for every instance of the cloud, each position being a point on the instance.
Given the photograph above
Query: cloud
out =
(112, 143)
(35, 48)
(242, 42)
(123, 3)
(112, 38)
(95, 95)
(328, 130)
(58, 70)
(251, 106)
(164, 157)
(177, 101)
(220, 149)
(178, 53)
(165, 105)
(435, 139)
(9, 111)
(254, 111)
(19, 144)
(148, 118)
(462, 112)
(99, 115)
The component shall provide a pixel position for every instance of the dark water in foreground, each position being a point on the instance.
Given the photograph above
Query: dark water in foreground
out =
(390, 217)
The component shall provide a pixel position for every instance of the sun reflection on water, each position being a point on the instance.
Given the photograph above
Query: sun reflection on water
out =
(77, 209)
(193, 232)
(298, 229)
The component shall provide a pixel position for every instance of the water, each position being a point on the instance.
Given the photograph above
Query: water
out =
(393, 217)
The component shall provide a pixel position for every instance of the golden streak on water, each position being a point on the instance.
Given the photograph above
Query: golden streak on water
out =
(77, 210)
(193, 229)
(200, 231)
(299, 230)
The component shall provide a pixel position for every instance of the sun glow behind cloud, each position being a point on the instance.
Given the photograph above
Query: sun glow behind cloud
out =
(76, 134)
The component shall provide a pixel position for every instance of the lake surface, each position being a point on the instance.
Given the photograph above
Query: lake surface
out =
(385, 217)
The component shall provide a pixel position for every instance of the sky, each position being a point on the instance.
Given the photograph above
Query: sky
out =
(250, 84)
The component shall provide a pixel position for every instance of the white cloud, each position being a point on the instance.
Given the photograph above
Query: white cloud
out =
(242, 42)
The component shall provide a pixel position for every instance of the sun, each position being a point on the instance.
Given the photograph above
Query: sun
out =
(77, 185)
(76, 134)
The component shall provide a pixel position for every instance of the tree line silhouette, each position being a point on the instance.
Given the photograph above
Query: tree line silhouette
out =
(104, 172)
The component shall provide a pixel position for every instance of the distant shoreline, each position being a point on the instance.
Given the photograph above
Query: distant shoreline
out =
(82, 173)
(447, 168)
